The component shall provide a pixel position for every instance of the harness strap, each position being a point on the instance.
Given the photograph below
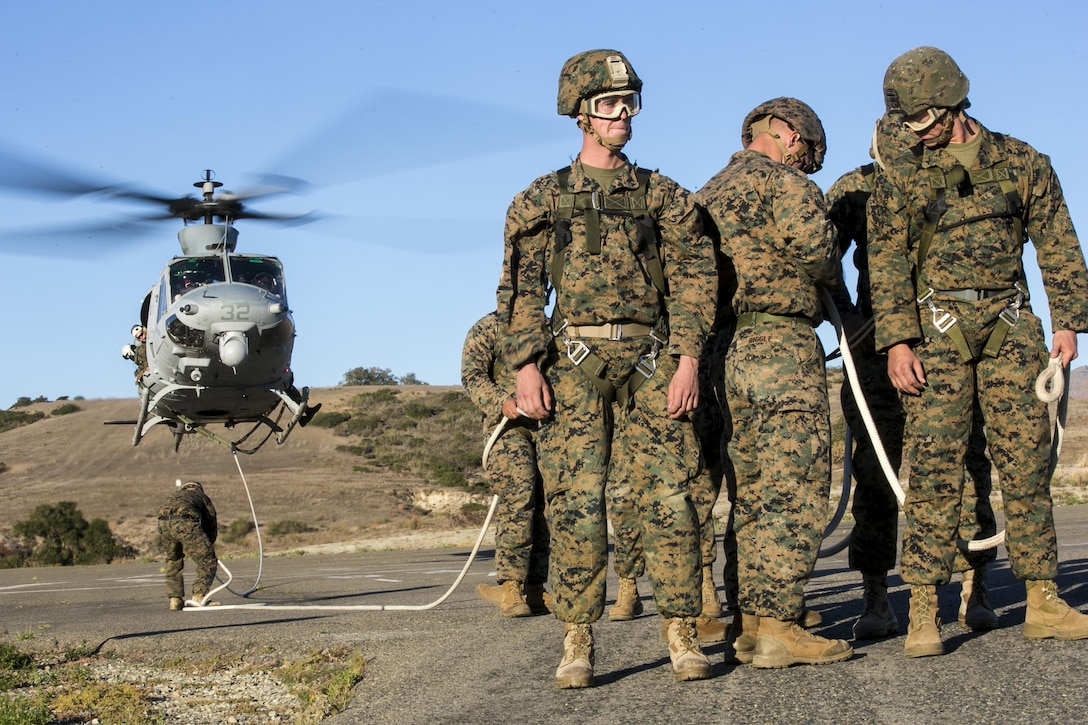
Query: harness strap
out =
(593, 367)
(610, 330)
(939, 183)
(591, 204)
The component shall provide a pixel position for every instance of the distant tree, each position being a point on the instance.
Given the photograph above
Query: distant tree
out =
(59, 535)
(369, 376)
(22, 402)
(411, 379)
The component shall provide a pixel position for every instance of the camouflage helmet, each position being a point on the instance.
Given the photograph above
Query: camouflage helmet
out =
(593, 72)
(801, 118)
(924, 78)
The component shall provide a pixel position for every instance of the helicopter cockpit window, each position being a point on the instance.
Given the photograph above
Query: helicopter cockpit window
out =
(187, 274)
(260, 271)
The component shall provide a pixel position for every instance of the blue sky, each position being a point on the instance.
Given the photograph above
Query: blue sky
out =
(417, 182)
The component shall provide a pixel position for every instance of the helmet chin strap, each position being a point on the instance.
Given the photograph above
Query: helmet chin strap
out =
(612, 144)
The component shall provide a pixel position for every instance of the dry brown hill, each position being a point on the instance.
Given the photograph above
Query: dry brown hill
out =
(307, 480)
(75, 457)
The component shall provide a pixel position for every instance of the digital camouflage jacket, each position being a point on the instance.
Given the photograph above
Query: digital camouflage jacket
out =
(978, 243)
(487, 381)
(612, 284)
(774, 226)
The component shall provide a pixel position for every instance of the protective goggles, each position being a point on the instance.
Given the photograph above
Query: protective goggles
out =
(924, 121)
(611, 105)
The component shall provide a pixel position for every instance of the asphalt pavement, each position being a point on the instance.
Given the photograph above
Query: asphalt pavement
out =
(458, 661)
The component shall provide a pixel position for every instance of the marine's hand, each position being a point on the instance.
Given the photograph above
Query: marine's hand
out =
(683, 394)
(510, 409)
(905, 369)
(1064, 345)
(534, 398)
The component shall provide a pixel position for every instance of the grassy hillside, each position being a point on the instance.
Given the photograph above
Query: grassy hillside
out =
(377, 461)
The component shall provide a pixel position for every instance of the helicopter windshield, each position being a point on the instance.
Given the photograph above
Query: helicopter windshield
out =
(188, 273)
(264, 272)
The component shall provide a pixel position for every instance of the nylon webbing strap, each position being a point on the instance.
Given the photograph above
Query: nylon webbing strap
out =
(592, 204)
(939, 183)
(750, 318)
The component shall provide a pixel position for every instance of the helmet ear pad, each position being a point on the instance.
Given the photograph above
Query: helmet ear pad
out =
(800, 117)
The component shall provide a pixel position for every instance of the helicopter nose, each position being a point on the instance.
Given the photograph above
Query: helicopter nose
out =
(233, 348)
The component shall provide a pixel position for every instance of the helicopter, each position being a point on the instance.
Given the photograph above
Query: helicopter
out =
(217, 332)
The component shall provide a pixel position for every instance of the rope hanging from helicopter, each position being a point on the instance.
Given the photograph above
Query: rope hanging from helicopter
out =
(199, 606)
(1049, 387)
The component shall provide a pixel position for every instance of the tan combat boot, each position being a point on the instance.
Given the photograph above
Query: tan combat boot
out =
(539, 601)
(198, 597)
(975, 611)
(576, 668)
(877, 618)
(741, 638)
(712, 604)
(628, 605)
(785, 643)
(708, 630)
(1049, 616)
(688, 661)
(509, 597)
(176, 604)
(809, 617)
(924, 626)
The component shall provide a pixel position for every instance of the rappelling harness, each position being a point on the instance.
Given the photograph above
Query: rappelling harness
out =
(591, 205)
(939, 184)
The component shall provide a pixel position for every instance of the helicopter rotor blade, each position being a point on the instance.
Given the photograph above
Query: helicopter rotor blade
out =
(87, 240)
(391, 130)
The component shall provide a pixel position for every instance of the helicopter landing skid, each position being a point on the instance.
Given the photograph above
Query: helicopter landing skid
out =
(297, 408)
(180, 424)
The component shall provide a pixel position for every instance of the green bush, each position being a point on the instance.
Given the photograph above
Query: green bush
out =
(281, 528)
(60, 536)
(10, 419)
(418, 410)
(330, 420)
(65, 409)
(238, 530)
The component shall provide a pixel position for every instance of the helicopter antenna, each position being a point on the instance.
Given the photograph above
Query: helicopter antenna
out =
(208, 186)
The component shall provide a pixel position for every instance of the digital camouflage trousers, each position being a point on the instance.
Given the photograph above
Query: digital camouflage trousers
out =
(875, 539)
(521, 529)
(776, 391)
(183, 537)
(938, 428)
(588, 441)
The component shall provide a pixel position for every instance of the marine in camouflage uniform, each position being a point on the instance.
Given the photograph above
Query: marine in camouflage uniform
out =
(874, 539)
(630, 306)
(188, 527)
(952, 313)
(521, 530)
(773, 225)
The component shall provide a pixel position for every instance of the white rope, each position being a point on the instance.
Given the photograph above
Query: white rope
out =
(370, 607)
(379, 607)
(200, 603)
